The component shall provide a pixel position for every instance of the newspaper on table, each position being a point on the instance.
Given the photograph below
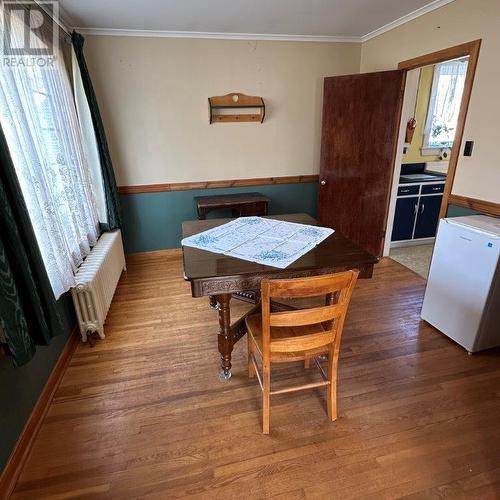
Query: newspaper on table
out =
(270, 242)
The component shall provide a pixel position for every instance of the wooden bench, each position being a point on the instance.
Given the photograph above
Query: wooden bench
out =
(241, 205)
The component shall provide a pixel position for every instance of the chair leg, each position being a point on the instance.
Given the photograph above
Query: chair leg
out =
(251, 367)
(331, 389)
(266, 389)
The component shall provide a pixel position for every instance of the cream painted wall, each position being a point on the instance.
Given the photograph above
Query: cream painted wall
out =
(153, 96)
(461, 21)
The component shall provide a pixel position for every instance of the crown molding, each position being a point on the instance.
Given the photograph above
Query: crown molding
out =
(218, 36)
(436, 4)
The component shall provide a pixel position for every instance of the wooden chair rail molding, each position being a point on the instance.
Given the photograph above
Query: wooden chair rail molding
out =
(21, 451)
(186, 186)
(486, 207)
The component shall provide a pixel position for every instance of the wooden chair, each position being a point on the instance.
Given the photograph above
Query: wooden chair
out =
(300, 334)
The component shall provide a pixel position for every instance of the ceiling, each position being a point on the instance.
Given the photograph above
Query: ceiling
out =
(280, 19)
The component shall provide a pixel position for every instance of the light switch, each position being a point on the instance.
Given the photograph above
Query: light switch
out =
(469, 146)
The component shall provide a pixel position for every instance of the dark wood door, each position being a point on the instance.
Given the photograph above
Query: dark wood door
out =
(428, 216)
(361, 115)
(404, 218)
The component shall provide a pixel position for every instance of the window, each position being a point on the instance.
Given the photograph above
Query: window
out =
(39, 119)
(444, 104)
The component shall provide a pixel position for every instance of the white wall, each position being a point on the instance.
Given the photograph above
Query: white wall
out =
(461, 21)
(407, 112)
(153, 96)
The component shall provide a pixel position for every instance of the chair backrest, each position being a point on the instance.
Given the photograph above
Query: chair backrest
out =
(337, 289)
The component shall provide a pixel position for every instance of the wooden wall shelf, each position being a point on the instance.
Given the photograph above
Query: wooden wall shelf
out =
(236, 101)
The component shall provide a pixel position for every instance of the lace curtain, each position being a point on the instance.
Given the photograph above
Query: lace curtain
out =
(38, 115)
(444, 105)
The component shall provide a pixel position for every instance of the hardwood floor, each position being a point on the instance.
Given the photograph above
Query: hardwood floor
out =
(144, 415)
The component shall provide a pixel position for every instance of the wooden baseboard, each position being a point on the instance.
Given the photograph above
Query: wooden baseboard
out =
(186, 186)
(21, 451)
(486, 207)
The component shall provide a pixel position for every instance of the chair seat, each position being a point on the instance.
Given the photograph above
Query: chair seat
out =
(254, 326)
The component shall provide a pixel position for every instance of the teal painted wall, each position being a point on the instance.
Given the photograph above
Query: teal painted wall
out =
(152, 221)
(21, 387)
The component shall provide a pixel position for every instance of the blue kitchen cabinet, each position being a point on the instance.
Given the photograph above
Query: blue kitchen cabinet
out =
(427, 217)
(404, 218)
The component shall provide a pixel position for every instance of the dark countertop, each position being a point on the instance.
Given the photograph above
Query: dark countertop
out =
(421, 178)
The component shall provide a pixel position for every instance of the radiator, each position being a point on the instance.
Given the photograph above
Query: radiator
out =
(96, 281)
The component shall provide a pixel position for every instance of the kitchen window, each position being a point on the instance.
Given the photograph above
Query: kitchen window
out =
(444, 105)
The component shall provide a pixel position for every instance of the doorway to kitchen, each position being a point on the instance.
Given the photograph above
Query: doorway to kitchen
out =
(436, 97)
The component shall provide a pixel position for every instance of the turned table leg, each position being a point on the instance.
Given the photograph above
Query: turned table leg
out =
(225, 337)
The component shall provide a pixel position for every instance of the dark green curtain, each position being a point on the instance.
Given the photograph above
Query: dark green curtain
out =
(108, 176)
(28, 311)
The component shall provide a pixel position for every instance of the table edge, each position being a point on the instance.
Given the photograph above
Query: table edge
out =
(202, 287)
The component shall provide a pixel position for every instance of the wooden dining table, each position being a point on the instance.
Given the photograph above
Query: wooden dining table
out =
(219, 277)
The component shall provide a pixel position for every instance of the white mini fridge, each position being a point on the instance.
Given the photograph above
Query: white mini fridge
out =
(462, 298)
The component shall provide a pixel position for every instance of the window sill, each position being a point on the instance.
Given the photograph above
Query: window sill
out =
(432, 151)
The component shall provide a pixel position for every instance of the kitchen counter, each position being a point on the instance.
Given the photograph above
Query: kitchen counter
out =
(421, 177)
